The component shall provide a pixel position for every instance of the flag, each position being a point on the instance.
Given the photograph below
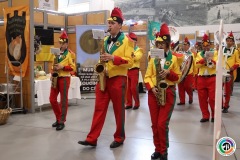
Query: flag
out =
(153, 28)
(16, 22)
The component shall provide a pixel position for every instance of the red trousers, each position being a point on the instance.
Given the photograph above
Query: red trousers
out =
(186, 86)
(206, 95)
(160, 117)
(60, 110)
(132, 88)
(115, 91)
(227, 92)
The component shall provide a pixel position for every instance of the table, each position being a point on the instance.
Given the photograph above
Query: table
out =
(42, 89)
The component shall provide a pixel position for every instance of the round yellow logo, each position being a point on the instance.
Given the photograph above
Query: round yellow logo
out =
(164, 37)
(167, 63)
(114, 18)
(117, 43)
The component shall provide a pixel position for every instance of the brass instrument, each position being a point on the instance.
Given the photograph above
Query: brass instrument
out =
(100, 67)
(55, 73)
(162, 85)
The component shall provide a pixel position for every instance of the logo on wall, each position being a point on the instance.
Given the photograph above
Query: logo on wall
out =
(226, 146)
(16, 21)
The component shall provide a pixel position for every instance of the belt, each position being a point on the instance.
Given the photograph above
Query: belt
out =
(212, 75)
(133, 68)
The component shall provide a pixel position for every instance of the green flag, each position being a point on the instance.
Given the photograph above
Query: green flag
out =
(153, 28)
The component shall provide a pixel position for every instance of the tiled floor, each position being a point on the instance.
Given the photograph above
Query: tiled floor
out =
(31, 137)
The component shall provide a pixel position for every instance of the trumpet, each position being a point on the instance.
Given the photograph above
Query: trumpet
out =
(100, 67)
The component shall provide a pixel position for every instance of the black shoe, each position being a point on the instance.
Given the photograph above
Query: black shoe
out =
(115, 144)
(181, 103)
(86, 143)
(135, 107)
(60, 126)
(155, 155)
(164, 156)
(55, 124)
(212, 119)
(204, 120)
(128, 107)
(225, 110)
(190, 101)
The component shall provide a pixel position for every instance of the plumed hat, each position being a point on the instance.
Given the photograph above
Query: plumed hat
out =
(186, 41)
(164, 34)
(205, 40)
(230, 36)
(116, 15)
(63, 37)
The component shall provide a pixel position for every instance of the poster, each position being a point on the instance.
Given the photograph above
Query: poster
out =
(16, 21)
(87, 56)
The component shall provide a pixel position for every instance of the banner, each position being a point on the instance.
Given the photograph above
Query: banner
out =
(87, 56)
(16, 22)
(153, 28)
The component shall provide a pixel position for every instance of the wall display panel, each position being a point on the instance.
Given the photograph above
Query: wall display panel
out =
(38, 17)
(96, 18)
(3, 5)
(87, 55)
(46, 39)
(75, 20)
(56, 20)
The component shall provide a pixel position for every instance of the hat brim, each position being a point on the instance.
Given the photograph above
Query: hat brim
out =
(110, 19)
(159, 39)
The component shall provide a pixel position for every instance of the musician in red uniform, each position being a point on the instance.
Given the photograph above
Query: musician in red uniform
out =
(230, 63)
(64, 67)
(206, 80)
(186, 84)
(133, 74)
(118, 58)
(161, 114)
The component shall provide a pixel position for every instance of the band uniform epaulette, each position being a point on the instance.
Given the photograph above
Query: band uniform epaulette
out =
(130, 42)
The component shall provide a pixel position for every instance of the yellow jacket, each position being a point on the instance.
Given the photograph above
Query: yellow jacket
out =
(202, 65)
(233, 60)
(122, 50)
(66, 61)
(138, 53)
(170, 64)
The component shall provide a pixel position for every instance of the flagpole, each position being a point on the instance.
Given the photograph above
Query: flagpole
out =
(218, 95)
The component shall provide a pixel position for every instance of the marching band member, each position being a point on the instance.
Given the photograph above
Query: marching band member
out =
(186, 84)
(64, 67)
(118, 58)
(161, 114)
(206, 80)
(194, 51)
(133, 75)
(231, 62)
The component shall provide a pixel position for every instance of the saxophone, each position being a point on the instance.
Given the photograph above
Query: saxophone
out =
(55, 73)
(100, 68)
(162, 85)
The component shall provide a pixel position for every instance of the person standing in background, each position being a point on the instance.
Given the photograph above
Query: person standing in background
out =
(231, 62)
(206, 80)
(63, 67)
(186, 84)
(118, 58)
(133, 76)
